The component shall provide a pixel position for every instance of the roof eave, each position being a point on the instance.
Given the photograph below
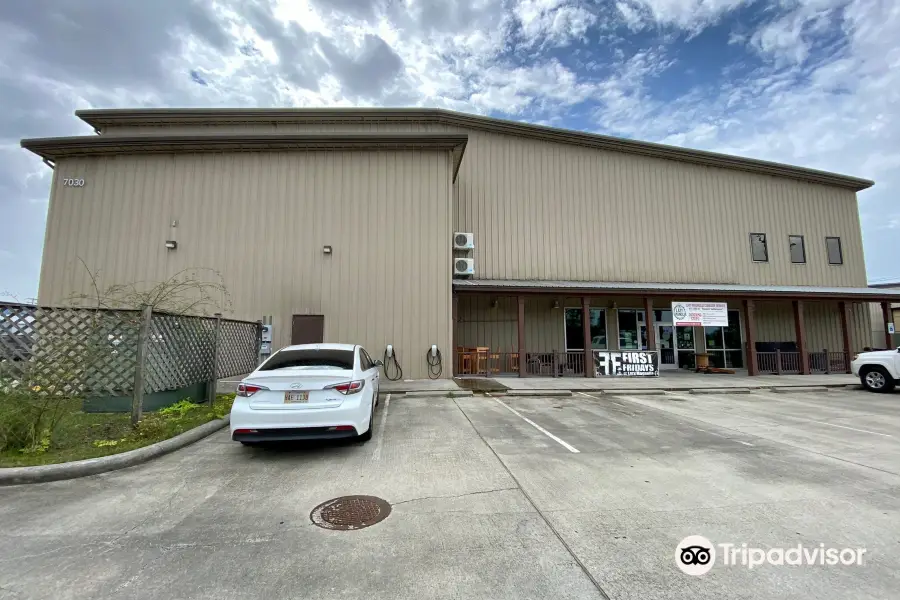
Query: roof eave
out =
(56, 148)
(649, 289)
(99, 118)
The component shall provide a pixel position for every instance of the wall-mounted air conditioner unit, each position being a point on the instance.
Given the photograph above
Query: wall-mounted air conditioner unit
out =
(463, 241)
(463, 266)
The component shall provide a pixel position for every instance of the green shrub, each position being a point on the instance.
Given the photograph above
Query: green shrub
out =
(28, 419)
(179, 409)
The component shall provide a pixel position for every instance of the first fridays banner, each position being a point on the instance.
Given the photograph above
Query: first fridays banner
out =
(700, 314)
(626, 364)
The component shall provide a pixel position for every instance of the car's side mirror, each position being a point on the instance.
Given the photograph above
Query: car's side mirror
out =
(378, 363)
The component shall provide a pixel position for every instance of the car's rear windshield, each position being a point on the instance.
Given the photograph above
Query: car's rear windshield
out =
(310, 359)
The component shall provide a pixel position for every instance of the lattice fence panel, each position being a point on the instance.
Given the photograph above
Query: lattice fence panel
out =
(238, 348)
(179, 352)
(68, 351)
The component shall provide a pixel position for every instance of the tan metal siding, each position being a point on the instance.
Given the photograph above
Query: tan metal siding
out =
(261, 220)
(542, 210)
(545, 210)
(775, 323)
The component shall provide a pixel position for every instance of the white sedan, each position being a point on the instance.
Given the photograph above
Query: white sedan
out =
(312, 391)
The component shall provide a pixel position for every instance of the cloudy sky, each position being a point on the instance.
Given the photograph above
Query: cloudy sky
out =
(809, 82)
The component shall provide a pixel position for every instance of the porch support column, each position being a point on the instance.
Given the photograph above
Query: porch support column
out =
(648, 323)
(521, 329)
(844, 309)
(750, 319)
(454, 345)
(586, 327)
(801, 337)
(886, 317)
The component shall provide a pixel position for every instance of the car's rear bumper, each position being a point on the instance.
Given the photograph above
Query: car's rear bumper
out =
(291, 433)
(286, 424)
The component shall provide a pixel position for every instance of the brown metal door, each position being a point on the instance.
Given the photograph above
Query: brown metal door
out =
(308, 329)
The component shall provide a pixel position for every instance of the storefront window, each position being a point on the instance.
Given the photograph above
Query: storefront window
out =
(723, 344)
(629, 334)
(575, 333)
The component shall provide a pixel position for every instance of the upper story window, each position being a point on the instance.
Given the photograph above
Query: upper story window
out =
(833, 247)
(759, 250)
(798, 249)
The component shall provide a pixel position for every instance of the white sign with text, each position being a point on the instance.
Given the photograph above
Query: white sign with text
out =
(700, 314)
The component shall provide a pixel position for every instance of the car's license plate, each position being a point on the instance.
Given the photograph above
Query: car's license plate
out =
(296, 397)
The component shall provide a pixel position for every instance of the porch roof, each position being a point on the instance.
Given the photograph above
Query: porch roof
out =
(704, 290)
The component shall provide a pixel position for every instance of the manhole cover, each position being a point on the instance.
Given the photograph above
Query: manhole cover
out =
(350, 512)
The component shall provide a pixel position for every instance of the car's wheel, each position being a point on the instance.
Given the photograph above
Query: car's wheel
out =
(877, 379)
(368, 434)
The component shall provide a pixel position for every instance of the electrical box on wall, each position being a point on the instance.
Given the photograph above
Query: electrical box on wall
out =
(463, 241)
(463, 266)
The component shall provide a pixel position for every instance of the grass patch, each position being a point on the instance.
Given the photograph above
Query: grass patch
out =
(79, 435)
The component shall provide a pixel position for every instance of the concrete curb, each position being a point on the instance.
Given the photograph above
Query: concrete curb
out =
(792, 390)
(434, 394)
(736, 390)
(544, 393)
(649, 392)
(93, 466)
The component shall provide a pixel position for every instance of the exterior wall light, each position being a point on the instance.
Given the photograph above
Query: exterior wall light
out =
(326, 249)
(171, 244)
(556, 304)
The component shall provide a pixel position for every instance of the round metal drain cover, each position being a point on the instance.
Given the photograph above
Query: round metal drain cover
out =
(350, 512)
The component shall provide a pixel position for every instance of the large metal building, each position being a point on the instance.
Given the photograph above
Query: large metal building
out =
(341, 223)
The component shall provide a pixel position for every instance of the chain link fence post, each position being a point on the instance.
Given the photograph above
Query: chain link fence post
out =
(137, 400)
(214, 381)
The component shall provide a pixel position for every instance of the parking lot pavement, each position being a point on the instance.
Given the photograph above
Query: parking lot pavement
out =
(218, 520)
(577, 497)
(649, 471)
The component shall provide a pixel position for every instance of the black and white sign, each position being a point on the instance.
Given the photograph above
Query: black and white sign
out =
(626, 364)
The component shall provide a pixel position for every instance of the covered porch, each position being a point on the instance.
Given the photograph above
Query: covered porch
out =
(567, 329)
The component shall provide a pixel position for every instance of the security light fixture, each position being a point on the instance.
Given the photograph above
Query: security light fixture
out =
(171, 244)
(556, 304)
(326, 249)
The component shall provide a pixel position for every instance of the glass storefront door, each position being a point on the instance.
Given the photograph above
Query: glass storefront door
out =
(667, 349)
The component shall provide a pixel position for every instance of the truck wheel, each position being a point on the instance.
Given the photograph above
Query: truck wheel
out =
(877, 379)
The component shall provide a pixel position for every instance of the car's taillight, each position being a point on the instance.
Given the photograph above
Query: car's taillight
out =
(247, 389)
(350, 387)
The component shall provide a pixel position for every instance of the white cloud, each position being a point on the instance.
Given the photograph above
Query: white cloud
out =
(690, 15)
(552, 22)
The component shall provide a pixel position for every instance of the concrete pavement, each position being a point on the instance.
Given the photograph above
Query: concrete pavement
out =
(577, 497)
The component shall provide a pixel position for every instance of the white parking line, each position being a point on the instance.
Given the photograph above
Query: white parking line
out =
(376, 455)
(563, 443)
(603, 399)
(719, 435)
(852, 428)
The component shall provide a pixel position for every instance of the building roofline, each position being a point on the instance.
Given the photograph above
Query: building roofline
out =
(895, 284)
(93, 145)
(681, 290)
(104, 117)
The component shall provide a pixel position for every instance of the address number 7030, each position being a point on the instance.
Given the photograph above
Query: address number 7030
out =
(73, 182)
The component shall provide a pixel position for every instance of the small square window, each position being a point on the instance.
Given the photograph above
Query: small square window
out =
(759, 250)
(798, 250)
(833, 247)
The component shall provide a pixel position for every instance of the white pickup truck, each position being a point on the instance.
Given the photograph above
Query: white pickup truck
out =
(879, 371)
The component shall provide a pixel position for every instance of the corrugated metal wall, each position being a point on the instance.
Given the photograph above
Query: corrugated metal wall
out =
(262, 219)
(775, 323)
(552, 211)
(544, 210)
